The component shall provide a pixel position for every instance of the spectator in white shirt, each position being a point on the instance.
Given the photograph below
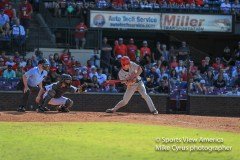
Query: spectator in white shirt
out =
(101, 77)
(93, 72)
(180, 67)
(19, 35)
(18, 30)
(226, 6)
(102, 4)
(10, 62)
(3, 18)
(22, 63)
(236, 6)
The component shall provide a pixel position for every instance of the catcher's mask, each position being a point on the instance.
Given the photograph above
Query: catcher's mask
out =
(66, 79)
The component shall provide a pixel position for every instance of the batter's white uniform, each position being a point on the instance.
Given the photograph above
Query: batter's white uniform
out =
(131, 89)
(57, 101)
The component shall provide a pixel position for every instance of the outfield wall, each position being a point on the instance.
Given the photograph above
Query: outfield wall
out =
(95, 102)
(99, 102)
(214, 105)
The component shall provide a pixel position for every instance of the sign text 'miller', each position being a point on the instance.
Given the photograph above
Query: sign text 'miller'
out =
(181, 20)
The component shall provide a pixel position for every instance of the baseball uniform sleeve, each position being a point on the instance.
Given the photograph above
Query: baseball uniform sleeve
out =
(121, 75)
(134, 67)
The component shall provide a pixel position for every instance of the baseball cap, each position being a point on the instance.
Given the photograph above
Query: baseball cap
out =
(93, 67)
(119, 56)
(202, 81)
(145, 42)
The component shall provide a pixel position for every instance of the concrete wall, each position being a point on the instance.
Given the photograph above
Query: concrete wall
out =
(215, 105)
(99, 102)
(90, 102)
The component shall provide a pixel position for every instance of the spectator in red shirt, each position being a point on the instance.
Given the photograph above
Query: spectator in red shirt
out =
(116, 43)
(76, 82)
(25, 11)
(3, 3)
(118, 4)
(199, 2)
(160, 2)
(184, 75)
(2, 66)
(174, 63)
(218, 64)
(65, 57)
(8, 10)
(145, 50)
(179, 2)
(131, 50)
(16, 57)
(192, 68)
(80, 33)
(28, 65)
(120, 49)
(171, 2)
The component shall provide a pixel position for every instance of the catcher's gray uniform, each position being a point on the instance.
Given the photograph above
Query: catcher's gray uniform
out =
(58, 99)
(132, 88)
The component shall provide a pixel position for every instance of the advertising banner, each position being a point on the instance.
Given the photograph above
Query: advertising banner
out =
(196, 22)
(124, 20)
(160, 21)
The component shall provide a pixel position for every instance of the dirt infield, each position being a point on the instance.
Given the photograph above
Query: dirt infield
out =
(200, 122)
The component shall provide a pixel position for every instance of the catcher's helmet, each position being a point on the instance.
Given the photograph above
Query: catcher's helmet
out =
(66, 78)
(125, 60)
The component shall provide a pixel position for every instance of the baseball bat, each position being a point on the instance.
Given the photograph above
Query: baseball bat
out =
(114, 81)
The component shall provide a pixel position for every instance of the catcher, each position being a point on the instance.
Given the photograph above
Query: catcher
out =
(53, 94)
(130, 75)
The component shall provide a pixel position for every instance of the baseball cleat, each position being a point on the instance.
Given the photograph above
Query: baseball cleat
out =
(46, 109)
(63, 109)
(110, 110)
(21, 109)
(155, 112)
(41, 109)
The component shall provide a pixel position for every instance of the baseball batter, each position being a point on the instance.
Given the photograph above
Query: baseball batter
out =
(53, 94)
(130, 73)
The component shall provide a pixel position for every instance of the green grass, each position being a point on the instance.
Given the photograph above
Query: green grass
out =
(103, 141)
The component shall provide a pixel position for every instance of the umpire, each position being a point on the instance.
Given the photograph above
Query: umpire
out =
(32, 82)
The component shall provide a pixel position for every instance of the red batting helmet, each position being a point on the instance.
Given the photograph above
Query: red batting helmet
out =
(125, 61)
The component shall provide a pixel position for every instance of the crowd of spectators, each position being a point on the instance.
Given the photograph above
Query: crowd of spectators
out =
(167, 69)
(14, 24)
(80, 7)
